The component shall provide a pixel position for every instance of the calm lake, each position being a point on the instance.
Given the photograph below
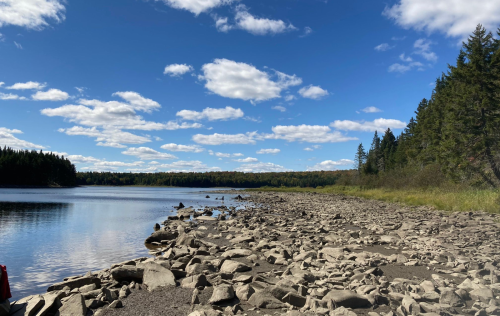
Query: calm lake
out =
(49, 234)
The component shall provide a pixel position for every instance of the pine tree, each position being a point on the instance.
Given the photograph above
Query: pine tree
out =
(360, 158)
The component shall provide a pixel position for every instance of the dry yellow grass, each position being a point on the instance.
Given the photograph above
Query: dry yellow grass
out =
(452, 199)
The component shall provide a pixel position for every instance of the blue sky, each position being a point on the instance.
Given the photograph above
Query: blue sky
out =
(201, 85)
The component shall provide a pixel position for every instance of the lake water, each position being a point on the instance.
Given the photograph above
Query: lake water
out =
(49, 234)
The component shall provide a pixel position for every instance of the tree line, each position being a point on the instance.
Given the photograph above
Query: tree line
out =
(457, 130)
(212, 179)
(33, 168)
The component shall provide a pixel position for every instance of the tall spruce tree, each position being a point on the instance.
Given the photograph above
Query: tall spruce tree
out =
(471, 128)
(360, 158)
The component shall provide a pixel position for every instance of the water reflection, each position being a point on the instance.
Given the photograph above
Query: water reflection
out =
(49, 234)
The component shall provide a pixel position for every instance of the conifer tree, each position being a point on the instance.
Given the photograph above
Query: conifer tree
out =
(360, 158)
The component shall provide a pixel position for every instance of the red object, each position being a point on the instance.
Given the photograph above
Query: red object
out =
(4, 284)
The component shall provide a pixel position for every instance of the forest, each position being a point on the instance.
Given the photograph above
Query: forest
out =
(213, 179)
(454, 136)
(33, 168)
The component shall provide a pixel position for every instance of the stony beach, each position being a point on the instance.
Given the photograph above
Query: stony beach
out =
(297, 254)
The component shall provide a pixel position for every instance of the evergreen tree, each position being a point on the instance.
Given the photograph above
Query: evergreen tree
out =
(360, 158)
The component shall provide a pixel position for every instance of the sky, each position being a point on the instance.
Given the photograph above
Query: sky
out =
(221, 85)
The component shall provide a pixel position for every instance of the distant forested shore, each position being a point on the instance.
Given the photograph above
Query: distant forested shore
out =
(25, 168)
(213, 179)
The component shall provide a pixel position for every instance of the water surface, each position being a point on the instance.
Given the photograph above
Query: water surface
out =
(49, 234)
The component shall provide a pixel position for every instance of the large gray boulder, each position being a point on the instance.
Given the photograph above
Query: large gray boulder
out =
(75, 306)
(160, 235)
(75, 283)
(127, 273)
(347, 298)
(222, 293)
(194, 281)
(236, 253)
(264, 299)
(29, 305)
(231, 266)
(155, 275)
(52, 300)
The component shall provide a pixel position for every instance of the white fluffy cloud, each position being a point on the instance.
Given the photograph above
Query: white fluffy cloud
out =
(383, 47)
(307, 133)
(220, 139)
(10, 96)
(138, 102)
(196, 6)
(312, 148)
(247, 160)
(188, 166)
(107, 137)
(224, 155)
(50, 95)
(146, 153)
(456, 18)
(261, 167)
(402, 68)
(223, 114)
(380, 124)
(279, 108)
(259, 26)
(77, 158)
(30, 85)
(32, 14)
(114, 116)
(235, 80)
(8, 139)
(176, 70)
(183, 148)
(330, 165)
(371, 109)
(269, 151)
(423, 48)
(313, 92)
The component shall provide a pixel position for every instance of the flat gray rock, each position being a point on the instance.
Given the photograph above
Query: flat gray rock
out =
(155, 275)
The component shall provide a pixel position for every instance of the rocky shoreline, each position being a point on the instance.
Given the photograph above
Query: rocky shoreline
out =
(297, 254)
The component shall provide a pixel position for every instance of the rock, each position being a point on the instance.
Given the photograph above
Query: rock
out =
(124, 292)
(160, 235)
(128, 273)
(236, 253)
(31, 307)
(231, 266)
(241, 239)
(222, 293)
(451, 298)
(264, 299)
(110, 295)
(244, 292)
(484, 295)
(75, 306)
(180, 206)
(342, 311)
(156, 275)
(52, 300)
(294, 299)
(75, 283)
(116, 304)
(347, 298)
(207, 197)
(194, 281)
(410, 305)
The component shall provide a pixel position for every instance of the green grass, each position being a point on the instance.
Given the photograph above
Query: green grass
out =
(451, 199)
